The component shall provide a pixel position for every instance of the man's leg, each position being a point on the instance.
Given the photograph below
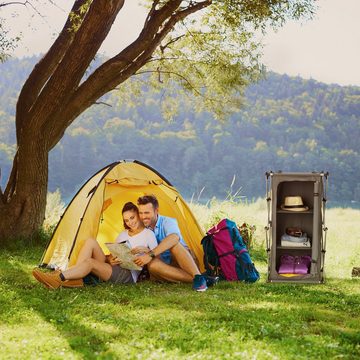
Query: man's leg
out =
(184, 273)
(161, 271)
(184, 259)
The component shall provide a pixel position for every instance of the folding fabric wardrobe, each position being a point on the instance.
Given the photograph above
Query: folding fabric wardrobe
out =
(311, 189)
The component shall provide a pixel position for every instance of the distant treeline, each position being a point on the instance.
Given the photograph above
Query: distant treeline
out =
(286, 123)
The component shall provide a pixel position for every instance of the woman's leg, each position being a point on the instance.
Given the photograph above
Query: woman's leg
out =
(101, 269)
(90, 249)
(91, 259)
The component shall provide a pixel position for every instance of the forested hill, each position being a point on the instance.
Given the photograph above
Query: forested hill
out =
(287, 124)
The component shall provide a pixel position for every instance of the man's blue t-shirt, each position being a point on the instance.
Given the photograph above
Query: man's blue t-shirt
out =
(164, 227)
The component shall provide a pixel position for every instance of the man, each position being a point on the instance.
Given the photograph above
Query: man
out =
(171, 259)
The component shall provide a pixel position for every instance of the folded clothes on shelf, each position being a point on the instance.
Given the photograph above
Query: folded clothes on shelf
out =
(295, 241)
(305, 244)
(290, 264)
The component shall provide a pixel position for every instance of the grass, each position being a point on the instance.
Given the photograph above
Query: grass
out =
(158, 321)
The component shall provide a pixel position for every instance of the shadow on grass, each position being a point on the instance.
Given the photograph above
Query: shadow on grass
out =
(291, 321)
(58, 308)
(166, 320)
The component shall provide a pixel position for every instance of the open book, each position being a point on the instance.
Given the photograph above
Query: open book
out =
(123, 253)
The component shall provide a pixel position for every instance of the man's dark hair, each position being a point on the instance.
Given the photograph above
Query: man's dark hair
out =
(148, 199)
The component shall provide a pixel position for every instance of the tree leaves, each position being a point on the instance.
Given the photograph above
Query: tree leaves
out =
(7, 45)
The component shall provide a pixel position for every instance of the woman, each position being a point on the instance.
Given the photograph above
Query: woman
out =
(92, 259)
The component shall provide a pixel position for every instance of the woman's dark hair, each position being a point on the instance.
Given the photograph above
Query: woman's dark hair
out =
(129, 206)
(148, 199)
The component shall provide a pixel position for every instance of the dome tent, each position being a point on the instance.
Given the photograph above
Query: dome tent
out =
(95, 211)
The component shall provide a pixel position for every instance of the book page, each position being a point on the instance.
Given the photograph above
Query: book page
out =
(123, 253)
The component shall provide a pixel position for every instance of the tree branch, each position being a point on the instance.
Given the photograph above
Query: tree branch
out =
(102, 103)
(194, 89)
(172, 41)
(114, 71)
(79, 54)
(14, 3)
(43, 70)
(163, 58)
(118, 69)
(128, 61)
(152, 10)
(194, 7)
(172, 73)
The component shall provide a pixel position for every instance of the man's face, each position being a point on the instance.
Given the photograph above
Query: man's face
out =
(148, 215)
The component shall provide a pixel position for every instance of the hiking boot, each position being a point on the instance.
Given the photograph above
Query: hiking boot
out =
(50, 280)
(199, 283)
(37, 273)
(211, 280)
(53, 280)
(76, 283)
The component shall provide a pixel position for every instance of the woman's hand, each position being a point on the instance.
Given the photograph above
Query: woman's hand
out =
(139, 250)
(113, 260)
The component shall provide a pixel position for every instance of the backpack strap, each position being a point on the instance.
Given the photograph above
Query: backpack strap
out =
(250, 272)
(235, 252)
(207, 242)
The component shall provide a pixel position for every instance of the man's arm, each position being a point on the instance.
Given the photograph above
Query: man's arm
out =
(167, 243)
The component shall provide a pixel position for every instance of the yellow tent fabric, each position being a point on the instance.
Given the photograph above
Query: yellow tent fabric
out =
(95, 211)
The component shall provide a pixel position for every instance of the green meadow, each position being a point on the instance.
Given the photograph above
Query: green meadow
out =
(170, 321)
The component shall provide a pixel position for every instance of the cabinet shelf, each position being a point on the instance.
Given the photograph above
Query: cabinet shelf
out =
(293, 247)
(280, 211)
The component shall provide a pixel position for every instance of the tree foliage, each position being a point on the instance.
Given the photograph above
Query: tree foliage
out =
(213, 56)
(205, 47)
(8, 42)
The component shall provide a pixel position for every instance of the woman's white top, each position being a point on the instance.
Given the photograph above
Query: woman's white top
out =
(144, 238)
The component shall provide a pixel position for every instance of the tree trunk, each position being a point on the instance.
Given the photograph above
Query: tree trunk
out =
(22, 209)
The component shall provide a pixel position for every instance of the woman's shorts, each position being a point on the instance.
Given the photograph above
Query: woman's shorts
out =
(121, 276)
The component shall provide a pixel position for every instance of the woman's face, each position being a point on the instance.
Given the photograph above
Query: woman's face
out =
(131, 219)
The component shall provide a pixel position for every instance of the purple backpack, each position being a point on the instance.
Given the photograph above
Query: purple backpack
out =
(226, 255)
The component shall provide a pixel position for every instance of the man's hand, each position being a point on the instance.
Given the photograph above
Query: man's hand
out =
(142, 260)
(139, 250)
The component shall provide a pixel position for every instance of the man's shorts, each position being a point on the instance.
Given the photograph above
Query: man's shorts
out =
(121, 276)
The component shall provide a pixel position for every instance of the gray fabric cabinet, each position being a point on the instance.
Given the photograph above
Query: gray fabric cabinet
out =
(311, 188)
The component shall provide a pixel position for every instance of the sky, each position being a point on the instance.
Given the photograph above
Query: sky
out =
(326, 48)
